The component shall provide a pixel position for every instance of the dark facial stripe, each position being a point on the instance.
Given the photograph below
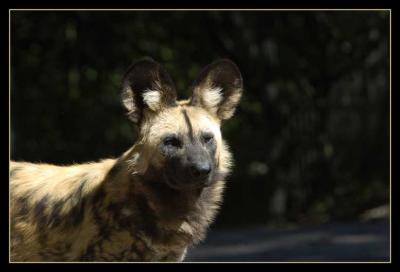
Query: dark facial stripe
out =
(189, 124)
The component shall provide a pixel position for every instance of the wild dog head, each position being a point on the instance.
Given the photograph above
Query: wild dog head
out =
(181, 140)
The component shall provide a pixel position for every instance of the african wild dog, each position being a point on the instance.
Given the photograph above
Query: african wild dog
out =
(151, 203)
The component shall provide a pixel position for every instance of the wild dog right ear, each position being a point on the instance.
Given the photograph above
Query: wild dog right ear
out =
(146, 86)
(218, 88)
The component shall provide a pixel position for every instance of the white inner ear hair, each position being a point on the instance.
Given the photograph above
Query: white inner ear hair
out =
(212, 97)
(152, 99)
(227, 109)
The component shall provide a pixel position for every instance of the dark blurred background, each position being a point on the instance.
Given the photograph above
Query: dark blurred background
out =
(310, 138)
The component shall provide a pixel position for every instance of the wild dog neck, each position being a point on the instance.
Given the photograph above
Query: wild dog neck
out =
(163, 211)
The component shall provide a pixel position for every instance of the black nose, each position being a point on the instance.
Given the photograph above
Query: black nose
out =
(200, 169)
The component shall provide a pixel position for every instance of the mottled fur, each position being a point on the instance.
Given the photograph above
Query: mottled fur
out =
(122, 209)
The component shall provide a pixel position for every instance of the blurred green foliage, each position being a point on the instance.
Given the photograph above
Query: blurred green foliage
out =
(311, 136)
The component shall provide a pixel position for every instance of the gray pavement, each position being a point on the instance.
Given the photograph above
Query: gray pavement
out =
(358, 241)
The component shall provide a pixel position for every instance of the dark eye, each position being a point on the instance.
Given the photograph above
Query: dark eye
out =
(172, 141)
(208, 138)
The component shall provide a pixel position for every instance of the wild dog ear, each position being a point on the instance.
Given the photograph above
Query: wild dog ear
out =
(146, 86)
(218, 88)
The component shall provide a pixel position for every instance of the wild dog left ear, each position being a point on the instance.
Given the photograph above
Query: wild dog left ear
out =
(218, 88)
(147, 87)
